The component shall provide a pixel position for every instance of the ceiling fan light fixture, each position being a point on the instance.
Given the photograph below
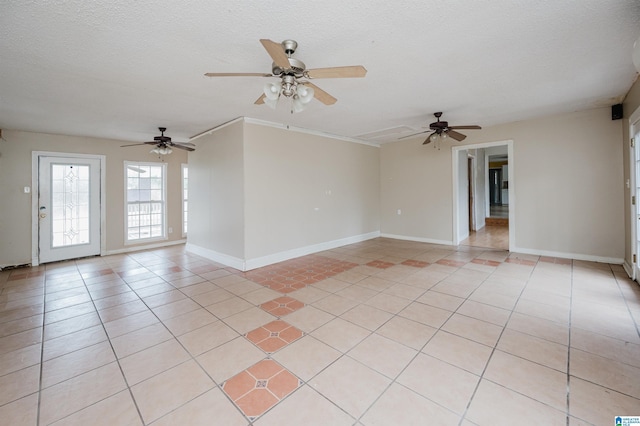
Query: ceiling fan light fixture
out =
(297, 105)
(305, 94)
(433, 137)
(272, 91)
(161, 150)
(444, 136)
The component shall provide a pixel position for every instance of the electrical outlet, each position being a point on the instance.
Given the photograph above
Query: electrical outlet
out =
(170, 230)
(399, 212)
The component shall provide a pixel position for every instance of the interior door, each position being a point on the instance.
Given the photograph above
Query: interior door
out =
(68, 208)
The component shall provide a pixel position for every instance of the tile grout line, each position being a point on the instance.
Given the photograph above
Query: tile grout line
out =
(568, 405)
(495, 347)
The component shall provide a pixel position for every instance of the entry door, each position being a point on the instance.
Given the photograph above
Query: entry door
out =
(68, 208)
(636, 139)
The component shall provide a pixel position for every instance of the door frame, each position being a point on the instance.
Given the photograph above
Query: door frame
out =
(471, 177)
(512, 185)
(634, 127)
(35, 190)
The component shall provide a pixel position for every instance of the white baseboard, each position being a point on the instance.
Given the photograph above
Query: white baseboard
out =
(564, 255)
(628, 268)
(225, 259)
(418, 239)
(143, 247)
(258, 262)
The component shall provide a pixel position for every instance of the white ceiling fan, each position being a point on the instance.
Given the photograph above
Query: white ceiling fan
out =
(294, 77)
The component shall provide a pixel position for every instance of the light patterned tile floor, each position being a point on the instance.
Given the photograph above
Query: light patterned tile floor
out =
(381, 332)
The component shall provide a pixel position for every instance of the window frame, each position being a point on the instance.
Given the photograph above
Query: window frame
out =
(165, 233)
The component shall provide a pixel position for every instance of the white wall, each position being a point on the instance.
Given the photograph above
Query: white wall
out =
(569, 193)
(15, 173)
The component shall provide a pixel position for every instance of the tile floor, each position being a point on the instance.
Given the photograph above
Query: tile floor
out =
(383, 332)
(490, 236)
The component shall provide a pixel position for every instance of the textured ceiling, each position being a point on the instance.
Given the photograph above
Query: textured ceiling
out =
(119, 68)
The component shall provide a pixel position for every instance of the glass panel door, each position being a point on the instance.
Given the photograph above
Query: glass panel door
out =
(69, 208)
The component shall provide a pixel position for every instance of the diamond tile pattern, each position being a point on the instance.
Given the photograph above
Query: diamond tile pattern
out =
(379, 332)
(274, 336)
(260, 387)
(282, 306)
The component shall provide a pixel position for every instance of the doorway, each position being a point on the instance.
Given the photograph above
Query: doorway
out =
(67, 206)
(478, 189)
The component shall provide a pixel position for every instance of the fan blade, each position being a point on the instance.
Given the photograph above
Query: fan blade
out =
(135, 144)
(260, 100)
(415, 134)
(428, 140)
(182, 143)
(455, 135)
(321, 95)
(237, 74)
(466, 127)
(277, 53)
(186, 148)
(338, 72)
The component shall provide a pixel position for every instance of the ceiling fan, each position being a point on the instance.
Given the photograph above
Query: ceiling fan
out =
(442, 130)
(294, 77)
(163, 144)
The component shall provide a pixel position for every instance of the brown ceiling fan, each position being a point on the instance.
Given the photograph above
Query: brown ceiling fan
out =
(294, 77)
(164, 144)
(442, 130)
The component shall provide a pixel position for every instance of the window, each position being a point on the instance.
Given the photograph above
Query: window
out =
(145, 203)
(185, 197)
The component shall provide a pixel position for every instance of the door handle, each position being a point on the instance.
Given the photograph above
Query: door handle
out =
(43, 215)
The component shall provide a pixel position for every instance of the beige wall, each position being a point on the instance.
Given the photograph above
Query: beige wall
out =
(416, 179)
(630, 105)
(216, 192)
(302, 190)
(15, 173)
(569, 197)
(259, 194)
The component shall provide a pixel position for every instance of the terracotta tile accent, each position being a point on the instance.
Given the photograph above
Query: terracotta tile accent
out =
(520, 261)
(273, 336)
(260, 387)
(282, 306)
(449, 262)
(416, 263)
(295, 274)
(485, 262)
(380, 264)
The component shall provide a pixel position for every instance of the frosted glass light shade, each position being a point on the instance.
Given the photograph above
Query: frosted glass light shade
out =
(444, 135)
(433, 137)
(297, 104)
(271, 103)
(272, 91)
(305, 93)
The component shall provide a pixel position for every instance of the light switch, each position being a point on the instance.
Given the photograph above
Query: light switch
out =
(27, 190)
